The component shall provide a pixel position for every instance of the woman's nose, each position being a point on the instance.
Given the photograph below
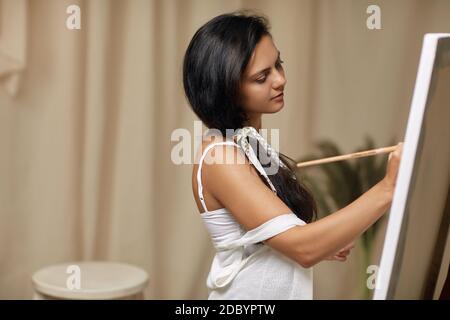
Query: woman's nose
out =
(280, 80)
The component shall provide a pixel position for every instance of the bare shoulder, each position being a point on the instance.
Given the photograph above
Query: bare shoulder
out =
(236, 185)
(223, 159)
(216, 155)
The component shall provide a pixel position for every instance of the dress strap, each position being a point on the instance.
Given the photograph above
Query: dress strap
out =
(199, 177)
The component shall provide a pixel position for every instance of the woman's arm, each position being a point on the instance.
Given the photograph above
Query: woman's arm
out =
(240, 189)
(318, 240)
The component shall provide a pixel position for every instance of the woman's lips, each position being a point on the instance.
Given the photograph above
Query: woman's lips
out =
(278, 97)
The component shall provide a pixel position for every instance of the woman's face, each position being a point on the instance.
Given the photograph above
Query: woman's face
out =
(263, 80)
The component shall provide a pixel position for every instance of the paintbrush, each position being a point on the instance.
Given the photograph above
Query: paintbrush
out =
(348, 156)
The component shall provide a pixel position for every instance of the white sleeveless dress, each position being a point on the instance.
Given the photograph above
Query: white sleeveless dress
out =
(243, 268)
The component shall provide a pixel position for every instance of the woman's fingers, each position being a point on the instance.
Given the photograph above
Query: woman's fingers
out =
(344, 253)
(339, 258)
(393, 166)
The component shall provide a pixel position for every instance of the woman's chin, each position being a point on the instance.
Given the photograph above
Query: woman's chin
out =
(277, 106)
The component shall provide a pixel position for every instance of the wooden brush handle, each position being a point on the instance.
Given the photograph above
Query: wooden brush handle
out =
(348, 156)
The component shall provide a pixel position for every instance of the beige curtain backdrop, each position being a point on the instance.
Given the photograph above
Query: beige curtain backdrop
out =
(86, 118)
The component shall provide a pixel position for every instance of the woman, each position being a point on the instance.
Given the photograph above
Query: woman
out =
(260, 223)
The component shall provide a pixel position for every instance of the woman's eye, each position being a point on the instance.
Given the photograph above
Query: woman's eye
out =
(277, 64)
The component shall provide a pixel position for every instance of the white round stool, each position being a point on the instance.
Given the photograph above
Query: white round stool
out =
(89, 280)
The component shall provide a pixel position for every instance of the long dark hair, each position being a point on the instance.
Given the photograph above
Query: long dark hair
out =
(213, 66)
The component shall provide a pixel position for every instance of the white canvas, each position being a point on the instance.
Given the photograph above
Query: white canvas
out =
(416, 248)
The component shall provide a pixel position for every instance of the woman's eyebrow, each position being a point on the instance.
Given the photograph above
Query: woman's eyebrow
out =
(265, 69)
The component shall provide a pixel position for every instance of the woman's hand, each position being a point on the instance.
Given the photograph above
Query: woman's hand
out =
(342, 254)
(392, 167)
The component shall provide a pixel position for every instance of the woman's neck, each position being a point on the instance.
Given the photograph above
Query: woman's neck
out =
(255, 121)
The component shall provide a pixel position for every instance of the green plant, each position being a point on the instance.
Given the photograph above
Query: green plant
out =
(337, 184)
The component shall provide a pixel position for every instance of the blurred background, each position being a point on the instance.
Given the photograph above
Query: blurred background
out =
(86, 117)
